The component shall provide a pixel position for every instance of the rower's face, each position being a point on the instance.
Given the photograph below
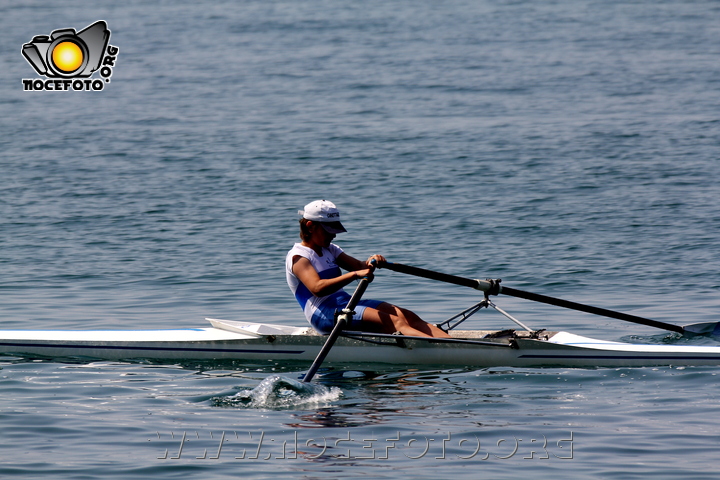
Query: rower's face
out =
(327, 236)
(321, 236)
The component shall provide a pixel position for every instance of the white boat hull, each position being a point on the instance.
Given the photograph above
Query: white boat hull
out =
(259, 343)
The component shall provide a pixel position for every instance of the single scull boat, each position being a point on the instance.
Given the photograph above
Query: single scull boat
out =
(257, 342)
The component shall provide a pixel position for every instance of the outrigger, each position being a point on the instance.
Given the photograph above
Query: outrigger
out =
(257, 342)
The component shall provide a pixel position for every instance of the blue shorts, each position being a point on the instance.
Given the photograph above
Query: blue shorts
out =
(323, 320)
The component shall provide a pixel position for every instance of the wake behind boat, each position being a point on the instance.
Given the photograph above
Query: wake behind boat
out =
(257, 342)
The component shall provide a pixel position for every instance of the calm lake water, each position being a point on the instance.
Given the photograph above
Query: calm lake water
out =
(571, 148)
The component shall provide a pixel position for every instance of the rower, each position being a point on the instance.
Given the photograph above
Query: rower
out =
(313, 272)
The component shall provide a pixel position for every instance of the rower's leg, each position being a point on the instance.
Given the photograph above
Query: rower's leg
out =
(395, 319)
(387, 322)
(420, 324)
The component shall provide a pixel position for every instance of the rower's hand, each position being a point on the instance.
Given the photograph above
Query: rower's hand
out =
(366, 273)
(378, 260)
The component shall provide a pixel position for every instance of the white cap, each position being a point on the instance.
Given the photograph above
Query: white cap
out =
(325, 213)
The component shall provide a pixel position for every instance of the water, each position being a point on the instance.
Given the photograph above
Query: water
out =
(570, 148)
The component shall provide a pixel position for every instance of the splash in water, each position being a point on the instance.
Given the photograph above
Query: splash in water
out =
(280, 392)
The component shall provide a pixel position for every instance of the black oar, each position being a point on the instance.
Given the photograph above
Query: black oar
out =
(342, 321)
(493, 288)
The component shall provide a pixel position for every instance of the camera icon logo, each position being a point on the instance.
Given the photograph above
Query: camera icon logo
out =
(68, 59)
(66, 53)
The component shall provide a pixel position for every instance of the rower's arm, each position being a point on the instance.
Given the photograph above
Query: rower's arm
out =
(346, 262)
(306, 273)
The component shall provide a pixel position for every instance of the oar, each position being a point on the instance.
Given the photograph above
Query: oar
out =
(494, 288)
(342, 321)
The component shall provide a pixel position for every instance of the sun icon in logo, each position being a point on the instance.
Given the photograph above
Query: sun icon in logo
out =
(67, 56)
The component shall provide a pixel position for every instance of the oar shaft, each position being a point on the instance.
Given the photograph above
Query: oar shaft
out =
(590, 309)
(337, 329)
(489, 287)
(442, 277)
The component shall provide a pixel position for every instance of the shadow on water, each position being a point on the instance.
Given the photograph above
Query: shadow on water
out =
(671, 338)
